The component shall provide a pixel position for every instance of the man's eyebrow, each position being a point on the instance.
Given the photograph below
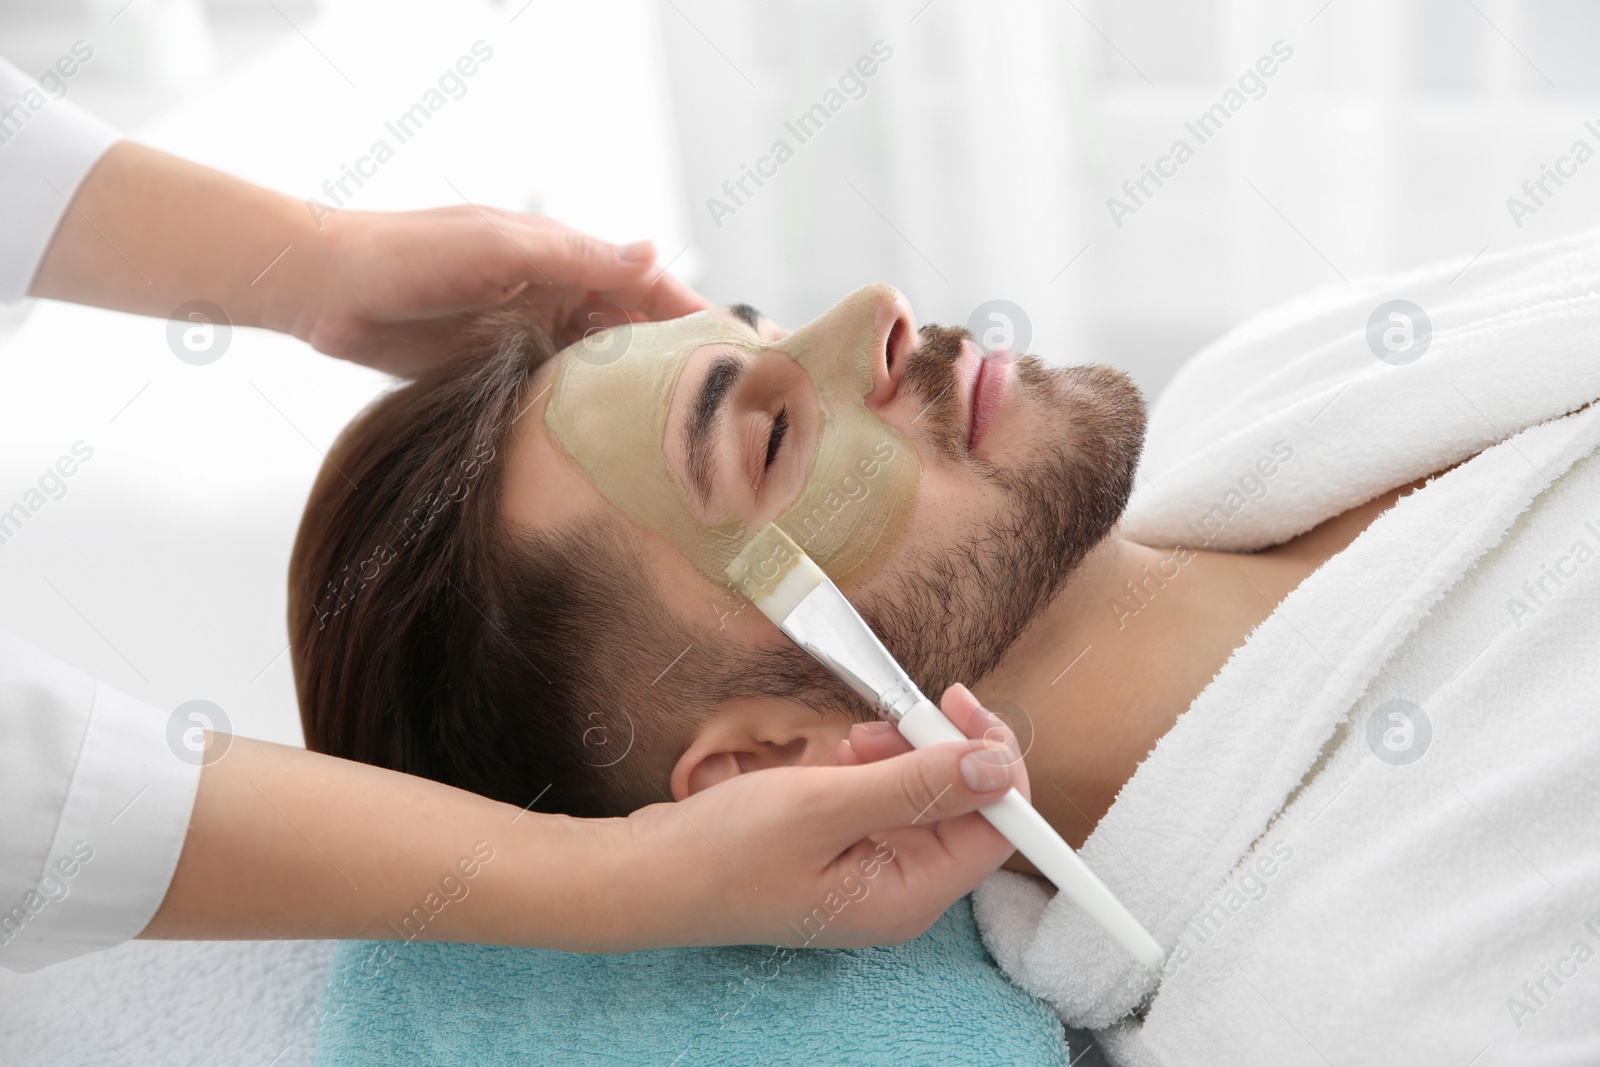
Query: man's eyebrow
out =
(747, 314)
(723, 374)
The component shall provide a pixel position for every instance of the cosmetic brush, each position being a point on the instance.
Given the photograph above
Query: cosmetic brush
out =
(788, 587)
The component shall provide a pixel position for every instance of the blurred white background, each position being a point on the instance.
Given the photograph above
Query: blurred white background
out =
(974, 164)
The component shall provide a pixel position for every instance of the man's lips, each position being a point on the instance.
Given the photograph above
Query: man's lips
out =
(984, 380)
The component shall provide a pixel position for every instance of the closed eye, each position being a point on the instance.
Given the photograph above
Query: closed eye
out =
(780, 430)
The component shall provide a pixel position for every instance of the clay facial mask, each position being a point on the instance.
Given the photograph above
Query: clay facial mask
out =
(608, 410)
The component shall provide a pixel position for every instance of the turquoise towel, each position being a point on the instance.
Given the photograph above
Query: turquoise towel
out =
(939, 999)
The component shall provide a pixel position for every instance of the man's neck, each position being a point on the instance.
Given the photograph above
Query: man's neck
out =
(1126, 646)
(1118, 655)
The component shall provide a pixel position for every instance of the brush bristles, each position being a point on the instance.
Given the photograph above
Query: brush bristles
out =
(774, 573)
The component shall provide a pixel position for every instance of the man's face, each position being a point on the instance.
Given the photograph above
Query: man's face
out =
(827, 469)
(963, 557)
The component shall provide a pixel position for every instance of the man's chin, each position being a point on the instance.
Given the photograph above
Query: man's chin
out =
(1091, 408)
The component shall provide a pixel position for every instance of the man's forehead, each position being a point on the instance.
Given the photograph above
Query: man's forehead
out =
(667, 336)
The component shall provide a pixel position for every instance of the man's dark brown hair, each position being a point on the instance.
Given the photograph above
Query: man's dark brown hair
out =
(430, 636)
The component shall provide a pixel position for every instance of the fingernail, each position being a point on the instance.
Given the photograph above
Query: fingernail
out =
(873, 728)
(982, 775)
(638, 252)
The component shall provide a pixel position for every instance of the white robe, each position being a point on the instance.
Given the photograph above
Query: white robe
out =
(1424, 888)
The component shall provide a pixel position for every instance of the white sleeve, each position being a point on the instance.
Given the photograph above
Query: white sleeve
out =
(47, 148)
(94, 807)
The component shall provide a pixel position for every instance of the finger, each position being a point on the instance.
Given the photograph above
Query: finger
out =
(879, 740)
(594, 313)
(568, 257)
(509, 292)
(873, 741)
(979, 723)
(963, 709)
(656, 296)
(916, 788)
(964, 849)
(638, 303)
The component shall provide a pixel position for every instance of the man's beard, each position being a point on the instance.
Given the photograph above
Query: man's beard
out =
(950, 613)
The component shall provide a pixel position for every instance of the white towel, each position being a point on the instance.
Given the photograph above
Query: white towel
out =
(173, 1003)
(1321, 902)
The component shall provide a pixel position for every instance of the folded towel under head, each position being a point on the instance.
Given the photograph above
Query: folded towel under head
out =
(938, 999)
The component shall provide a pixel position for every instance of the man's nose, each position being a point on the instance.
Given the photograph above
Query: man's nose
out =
(896, 338)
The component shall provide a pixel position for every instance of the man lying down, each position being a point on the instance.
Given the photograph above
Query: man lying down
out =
(1318, 703)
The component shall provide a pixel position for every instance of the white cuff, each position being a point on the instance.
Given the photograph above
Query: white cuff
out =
(117, 844)
(47, 148)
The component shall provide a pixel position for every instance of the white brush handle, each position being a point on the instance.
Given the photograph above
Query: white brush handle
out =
(1036, 839)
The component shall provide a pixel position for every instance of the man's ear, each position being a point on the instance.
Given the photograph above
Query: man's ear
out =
(752, 734)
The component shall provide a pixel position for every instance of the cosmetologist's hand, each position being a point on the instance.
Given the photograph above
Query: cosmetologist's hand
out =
(866, 853)
(396, 288)
(150, 232)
